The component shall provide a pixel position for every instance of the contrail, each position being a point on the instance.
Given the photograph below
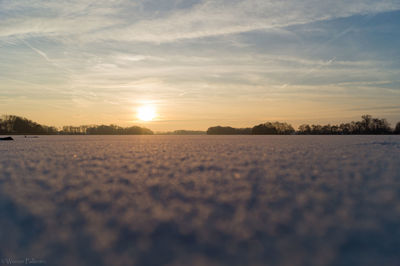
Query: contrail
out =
(44, 55)
(41, 53)
(319, 47)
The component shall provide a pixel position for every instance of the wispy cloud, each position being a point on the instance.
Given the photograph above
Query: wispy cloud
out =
(102, 20)
(213, 18)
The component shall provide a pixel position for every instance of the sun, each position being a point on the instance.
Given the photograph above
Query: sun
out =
(146, 113)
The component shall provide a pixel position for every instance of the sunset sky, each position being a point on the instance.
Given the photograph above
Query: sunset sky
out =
(198, 63)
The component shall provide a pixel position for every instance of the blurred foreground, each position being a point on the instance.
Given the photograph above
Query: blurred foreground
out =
(201, 200)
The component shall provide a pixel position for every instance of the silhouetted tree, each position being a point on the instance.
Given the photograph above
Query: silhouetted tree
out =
(187, 132)
(283, 128)
(2, 126)
(316, 129)
(368, 125)
(135, 130)
(218, 130)
(304, 129)
(264, 129)
(335, 130)
(12, 124)
(71, 130)
(116, 130)
(275, 128)
(380, 126)
(345, 129)
(397, 128)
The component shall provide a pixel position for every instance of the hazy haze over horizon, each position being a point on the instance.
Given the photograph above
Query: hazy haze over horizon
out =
(199, 63)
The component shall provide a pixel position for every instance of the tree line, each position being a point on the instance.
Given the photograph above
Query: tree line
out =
(182, 132)
(105, 130)
(11, 124)
(367, 126)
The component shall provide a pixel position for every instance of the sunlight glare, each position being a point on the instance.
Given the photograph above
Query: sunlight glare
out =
(146, 113)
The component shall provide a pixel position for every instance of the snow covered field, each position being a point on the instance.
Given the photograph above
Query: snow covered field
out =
(201, 200)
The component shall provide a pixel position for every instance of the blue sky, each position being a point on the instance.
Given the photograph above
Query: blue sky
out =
(199, 63)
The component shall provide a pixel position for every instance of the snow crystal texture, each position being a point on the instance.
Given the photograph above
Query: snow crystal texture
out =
(201, 200)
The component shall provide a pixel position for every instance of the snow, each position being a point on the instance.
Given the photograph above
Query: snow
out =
(201, 200)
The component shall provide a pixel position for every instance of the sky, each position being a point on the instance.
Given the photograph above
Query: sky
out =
(199, 63)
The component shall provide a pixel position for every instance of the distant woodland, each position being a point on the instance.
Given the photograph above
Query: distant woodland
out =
(367, 126)
(11, 124)
(183, 132)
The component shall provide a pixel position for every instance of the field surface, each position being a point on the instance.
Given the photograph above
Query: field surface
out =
(201, 200)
